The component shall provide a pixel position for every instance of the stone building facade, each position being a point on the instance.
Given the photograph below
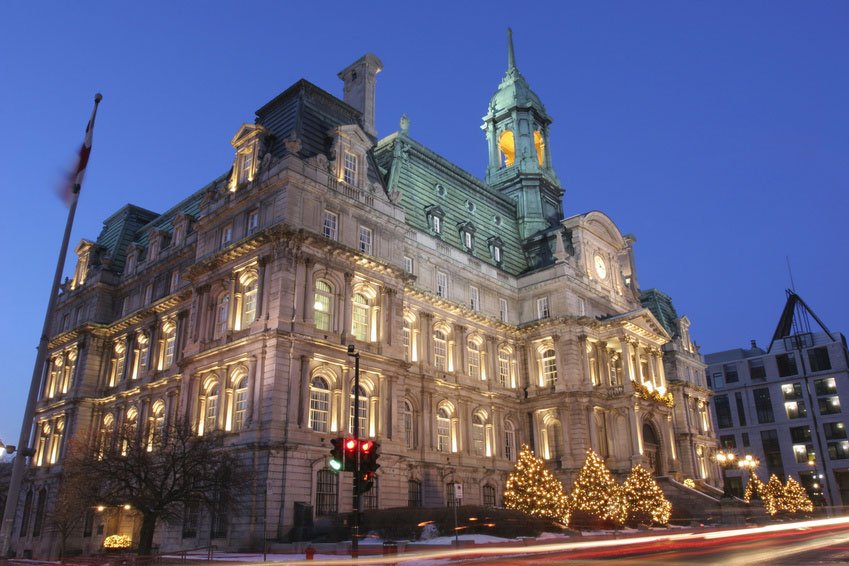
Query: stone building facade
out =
(483, 320)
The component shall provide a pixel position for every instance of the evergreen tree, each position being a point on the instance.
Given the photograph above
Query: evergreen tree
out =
(596, 497)
(645, 500)
(754, 488)
(532, 488)
(772, 495)
(795, 498)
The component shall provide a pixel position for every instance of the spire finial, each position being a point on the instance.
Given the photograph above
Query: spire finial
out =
(511, 57)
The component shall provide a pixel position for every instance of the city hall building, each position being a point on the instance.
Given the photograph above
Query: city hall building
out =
(483, 319)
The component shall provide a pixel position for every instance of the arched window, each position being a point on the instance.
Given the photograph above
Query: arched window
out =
(549, 367)
(319, 404)
(363, 412)
(443, 430)
(56, 440)
(107, 427)
(508, 148)
(440, 350)
(26, 514)
(488, 496)
(222, 315)
(554, 440)
(509, 441)
(360, 317)
(407, 340)
(408, 422)
(118, 361)
(53, 377)
(157, 424)
(539, 144)
(40, 504)
(323, 305)
(240, 403)
(43, 443)
(210, 416)
(142, 354)
(131, 429)
(504, 377)
(478, 435)
(474, 359)
(325, 493)
(249, 298)
(169, 331)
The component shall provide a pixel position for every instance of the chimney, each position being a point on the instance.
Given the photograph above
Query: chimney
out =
(360, 82)
(754, 345)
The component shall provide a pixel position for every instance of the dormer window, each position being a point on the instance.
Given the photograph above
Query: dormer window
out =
(247, 143)
(467, 235)
(349, 169)
(134, 252)
(83, 261)
(496, 249)
(435, 216)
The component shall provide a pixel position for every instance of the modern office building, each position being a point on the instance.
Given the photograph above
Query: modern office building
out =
(785, 405)
(483, 320)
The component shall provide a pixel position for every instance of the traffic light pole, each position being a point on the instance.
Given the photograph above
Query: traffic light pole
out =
(355, 527)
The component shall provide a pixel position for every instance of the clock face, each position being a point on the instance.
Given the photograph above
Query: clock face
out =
(600, 267)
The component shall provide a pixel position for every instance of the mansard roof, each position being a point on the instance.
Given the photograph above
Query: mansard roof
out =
(119, 230)
(420, 175)
(660, 305)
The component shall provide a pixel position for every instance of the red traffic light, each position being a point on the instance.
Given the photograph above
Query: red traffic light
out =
(366, 446)
(351, 445)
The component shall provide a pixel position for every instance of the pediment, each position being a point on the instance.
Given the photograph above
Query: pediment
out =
(641, 322)
(355, 134)
(247, 133)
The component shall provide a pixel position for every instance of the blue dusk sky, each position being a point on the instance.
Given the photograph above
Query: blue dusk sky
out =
(715, 132)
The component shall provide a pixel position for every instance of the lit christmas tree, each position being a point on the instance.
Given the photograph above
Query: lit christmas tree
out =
(532, 488)
(772, 495)
(795, 498)
(754, 488)
(596, 495)
(645, 500)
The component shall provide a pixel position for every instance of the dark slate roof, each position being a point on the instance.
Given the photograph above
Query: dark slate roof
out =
(419, 171)
(309, 113)
(189, 206)
(660, 305)
(119, 230)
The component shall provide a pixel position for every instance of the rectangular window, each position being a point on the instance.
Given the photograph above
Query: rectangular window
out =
(503, 368)
(829, 405)
(730, 371)
(757, 369)
(502, 309)
(772, 452)
(741, 411)
(330, 225)
(745, 436)
(175, 281)
(795, 409)
(325, 493)
(226, 235)
(818, 358)
(763, 405)
(191, 518)
(723, 411)
(838, 450)
(414, 493)
(365, 240)
(727, 441)
(582, 307)
(786, 364)
(441, 284)
(474, 299)
(791, 391)
(834, 431)
(408, 264)
(827, 386)
(437, 224)
(168, 359)
(803, 453)
(253, 221)
(800, 434)
(542, 308)
(350, 169)
(148, 293)
(718, 380)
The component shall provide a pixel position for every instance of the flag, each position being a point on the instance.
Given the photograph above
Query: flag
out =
(75, 179)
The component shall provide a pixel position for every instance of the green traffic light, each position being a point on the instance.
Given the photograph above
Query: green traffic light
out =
(335, 465)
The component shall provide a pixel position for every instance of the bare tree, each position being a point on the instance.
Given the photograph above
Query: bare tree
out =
(76, 496)
(158, 473)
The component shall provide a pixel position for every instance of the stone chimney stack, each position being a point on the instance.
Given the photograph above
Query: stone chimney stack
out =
(360, 81)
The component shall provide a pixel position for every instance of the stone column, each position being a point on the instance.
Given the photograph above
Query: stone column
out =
(583, 355)
(460, 349)
(627, 373)
(636, 435)
(593, 429)
(261, 284)
(307, 314)
(345, 301)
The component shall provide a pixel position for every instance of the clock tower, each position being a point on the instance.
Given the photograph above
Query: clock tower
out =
(516, 128)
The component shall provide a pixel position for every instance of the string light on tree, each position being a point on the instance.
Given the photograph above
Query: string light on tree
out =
(532, 488)
(596, 493)
(645, 500)
(795, 498)
(754, 488)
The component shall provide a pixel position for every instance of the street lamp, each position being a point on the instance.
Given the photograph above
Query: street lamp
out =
(726, 459)
(748, 464)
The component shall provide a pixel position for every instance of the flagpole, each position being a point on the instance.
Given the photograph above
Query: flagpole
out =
(41, 354)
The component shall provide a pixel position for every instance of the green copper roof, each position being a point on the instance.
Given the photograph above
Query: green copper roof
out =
(514, 90)
(660, 305)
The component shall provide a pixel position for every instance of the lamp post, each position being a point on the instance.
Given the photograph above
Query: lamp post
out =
(748, 463)
(726, 459)
(355, 527)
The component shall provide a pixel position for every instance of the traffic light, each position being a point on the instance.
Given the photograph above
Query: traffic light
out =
(369, 453)
(337, 455)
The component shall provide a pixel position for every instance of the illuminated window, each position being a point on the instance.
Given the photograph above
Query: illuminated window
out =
(542, 308)
(240, 403)
(245, 164)
(504, 368)
(549, 367)
(330, 225)
(222, 315)
(319, 404)
(323, 305)
(365, 240)
(249, 298)
(170, 332)
(539, 144)
(363, 412)
(407, 340)
(509, 441)
(407, 418)
(118, 362)
(211, 410)
(474, 355)
(508, 148)
(443, 430)
(56, 441)
(104, 441)
(440, 350)
(350, 169)
(360, 317)
(474, 299)
(478, 435)
(441, 284)
(131, 429)
(157, 425)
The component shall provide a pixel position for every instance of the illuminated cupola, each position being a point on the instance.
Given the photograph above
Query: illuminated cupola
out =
(516, 129)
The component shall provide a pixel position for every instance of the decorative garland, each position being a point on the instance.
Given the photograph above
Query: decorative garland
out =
(644, 392)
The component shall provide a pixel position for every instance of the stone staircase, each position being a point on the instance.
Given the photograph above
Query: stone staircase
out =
(698, 504)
